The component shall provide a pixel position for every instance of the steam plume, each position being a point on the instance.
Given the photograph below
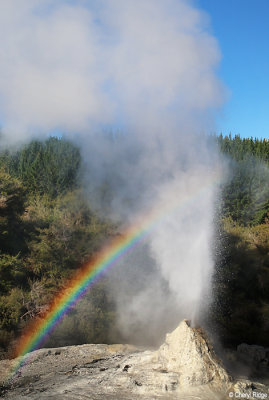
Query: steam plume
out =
(146, 67)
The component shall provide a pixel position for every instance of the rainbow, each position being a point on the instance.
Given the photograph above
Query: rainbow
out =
(40, 329)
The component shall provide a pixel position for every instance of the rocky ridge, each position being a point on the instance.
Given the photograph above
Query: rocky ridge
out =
(184, 367)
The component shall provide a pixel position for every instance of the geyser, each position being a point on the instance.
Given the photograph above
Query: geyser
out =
(147, 68)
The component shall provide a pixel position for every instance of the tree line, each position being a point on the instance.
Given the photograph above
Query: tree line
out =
(245, 194)
(47, 229)
(241, 284)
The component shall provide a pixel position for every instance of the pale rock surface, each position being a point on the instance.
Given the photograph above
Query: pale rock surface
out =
(184, 368)
(188, 352)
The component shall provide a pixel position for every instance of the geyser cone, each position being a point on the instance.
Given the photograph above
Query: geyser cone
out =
(188, 352)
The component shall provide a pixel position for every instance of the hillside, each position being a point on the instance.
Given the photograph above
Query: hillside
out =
(48, 229)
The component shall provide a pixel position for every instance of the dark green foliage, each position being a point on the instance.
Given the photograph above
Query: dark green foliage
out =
(246, 194)
(49, 167)
(62, 234)
(12, 207)
(47, 231)
(68, 234)
(91, 321)
(12, 272)
(10, 310)
(242, 148)
(241, 306)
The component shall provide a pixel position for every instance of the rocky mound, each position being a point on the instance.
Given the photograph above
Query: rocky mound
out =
(185, 367)
(188, 352)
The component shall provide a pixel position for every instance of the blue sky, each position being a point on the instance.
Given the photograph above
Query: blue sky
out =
(242, 30)
(43, 88)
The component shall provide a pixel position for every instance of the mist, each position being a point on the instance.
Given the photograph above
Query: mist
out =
(135, 85)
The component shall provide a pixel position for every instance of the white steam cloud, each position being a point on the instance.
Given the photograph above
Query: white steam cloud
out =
(147, 67)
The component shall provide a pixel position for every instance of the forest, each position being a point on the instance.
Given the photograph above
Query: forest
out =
(48, 229)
